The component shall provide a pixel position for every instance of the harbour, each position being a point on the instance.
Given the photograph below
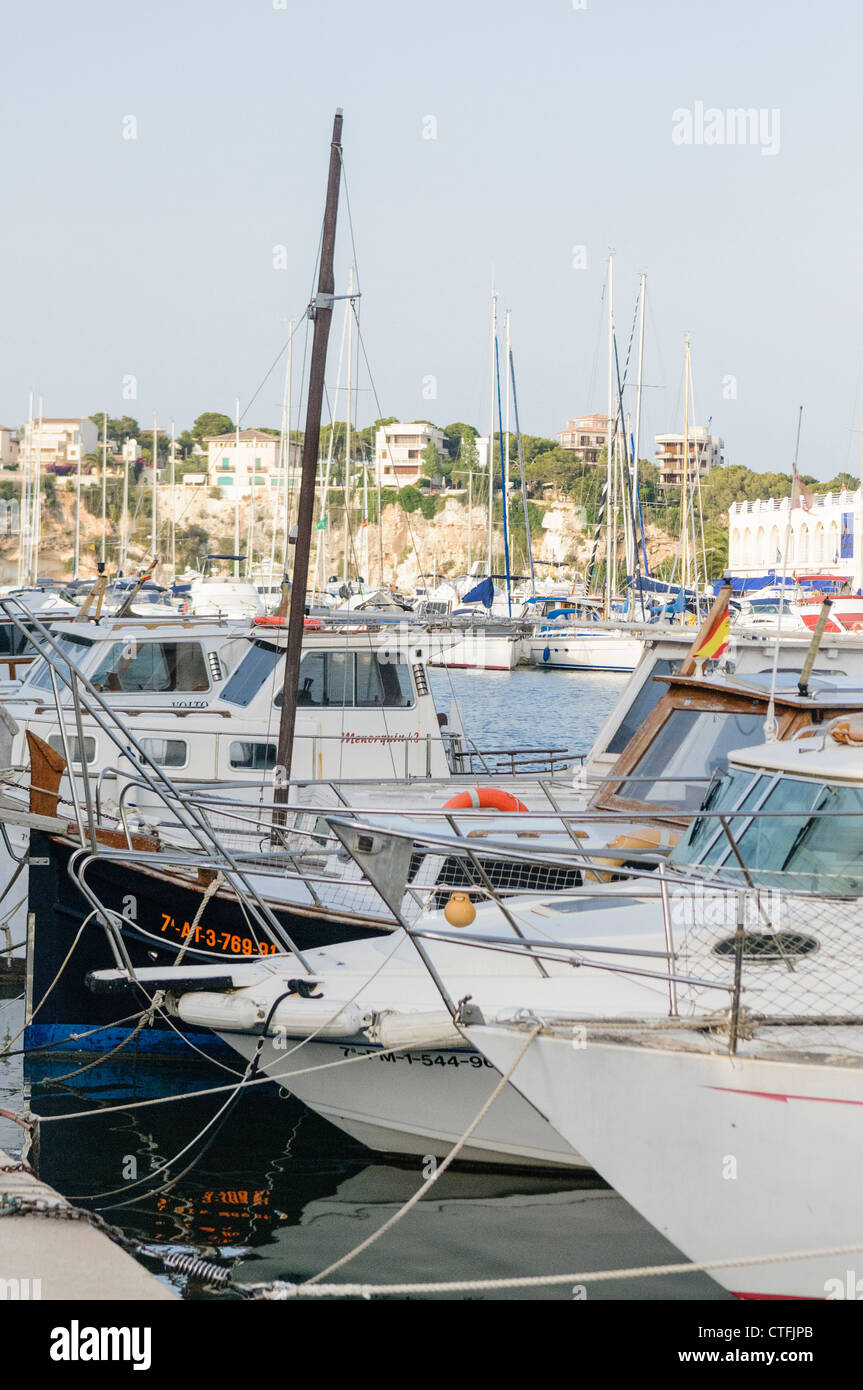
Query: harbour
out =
(309, 1192)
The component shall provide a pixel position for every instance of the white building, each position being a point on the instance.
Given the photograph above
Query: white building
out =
(705, 452)
(8, 447)
(770, 535)
(586, 436)
(248, 459)
(52, 442)
(399, 452)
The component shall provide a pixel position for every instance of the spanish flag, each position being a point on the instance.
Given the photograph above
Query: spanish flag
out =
(715, 640)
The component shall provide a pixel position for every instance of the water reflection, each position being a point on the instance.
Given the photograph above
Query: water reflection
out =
(279, 1193)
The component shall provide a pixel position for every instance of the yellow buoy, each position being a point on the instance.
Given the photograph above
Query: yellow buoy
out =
(459, 911)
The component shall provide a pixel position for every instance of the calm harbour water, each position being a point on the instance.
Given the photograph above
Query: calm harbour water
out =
(280, 1193)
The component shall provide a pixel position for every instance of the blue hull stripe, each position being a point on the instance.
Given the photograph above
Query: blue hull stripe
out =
(154, 1042)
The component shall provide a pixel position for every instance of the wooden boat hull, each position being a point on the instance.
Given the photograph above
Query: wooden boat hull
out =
(164, 911)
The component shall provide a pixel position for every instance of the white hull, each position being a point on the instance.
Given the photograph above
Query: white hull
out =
(479, 651)
(423, 1104)
(727, 1158)
(583, 652)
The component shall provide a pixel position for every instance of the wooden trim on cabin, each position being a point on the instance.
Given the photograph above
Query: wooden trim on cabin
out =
(692, 696)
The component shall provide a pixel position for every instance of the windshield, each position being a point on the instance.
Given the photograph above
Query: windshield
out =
(253, 670)
(691, 745)
(73, 648)
(132, 667)
(648, 696)
(790, 832)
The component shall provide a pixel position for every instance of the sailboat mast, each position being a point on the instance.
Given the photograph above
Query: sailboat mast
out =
(469, 510)
(250, 540)
(322, 551)
(365, 527)
(125, 521)
(154, 540)
(24, 534)
(857, 539)
(609, 479)
(507, 418)
(285, 450)
(684, 499)
(289, 414)
(491, 438)
(346, 569)
(77, 517)
(322, 312)
(104, 488)
(37, 505)
(173, 502)
(237, 492)
(523, 484)
(638, 388)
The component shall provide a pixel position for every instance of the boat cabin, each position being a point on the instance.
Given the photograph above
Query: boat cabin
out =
(203, 700)
(686, 737)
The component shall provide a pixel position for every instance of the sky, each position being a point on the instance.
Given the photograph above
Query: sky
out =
(164, 170)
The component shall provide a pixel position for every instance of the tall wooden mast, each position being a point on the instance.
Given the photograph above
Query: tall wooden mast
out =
(322, 312)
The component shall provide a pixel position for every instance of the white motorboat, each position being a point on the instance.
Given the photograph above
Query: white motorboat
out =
(576, 962)
(744, 1155)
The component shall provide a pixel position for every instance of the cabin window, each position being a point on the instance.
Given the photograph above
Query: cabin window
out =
(56, 742)
(256, 667)
(73, 649)
(692, 744)
(647, 698)
(352, 679)
(166, 752)
(256, 757)
(766, 842)
(822, 852)
(13, 642)
(327, 679)
(707, 841)
(379, 684)
(135, 667)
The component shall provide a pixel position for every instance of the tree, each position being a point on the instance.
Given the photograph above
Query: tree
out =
(124, 427)
(467, 460)
(211, 423)
(431, 461)
(410, 498)
(186, 443)
(456, 436)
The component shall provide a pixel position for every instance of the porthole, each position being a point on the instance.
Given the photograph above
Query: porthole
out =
(768, 946)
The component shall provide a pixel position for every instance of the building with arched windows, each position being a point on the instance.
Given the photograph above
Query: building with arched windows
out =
(769, 536)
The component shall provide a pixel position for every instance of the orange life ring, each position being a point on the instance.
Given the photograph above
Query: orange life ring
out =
(484, 798)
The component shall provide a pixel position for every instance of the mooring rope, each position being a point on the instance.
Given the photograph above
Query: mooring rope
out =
(281, 1290)
(429, 1182)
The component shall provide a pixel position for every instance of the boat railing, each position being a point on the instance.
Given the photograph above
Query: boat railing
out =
(786, 955)
(508, 761)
